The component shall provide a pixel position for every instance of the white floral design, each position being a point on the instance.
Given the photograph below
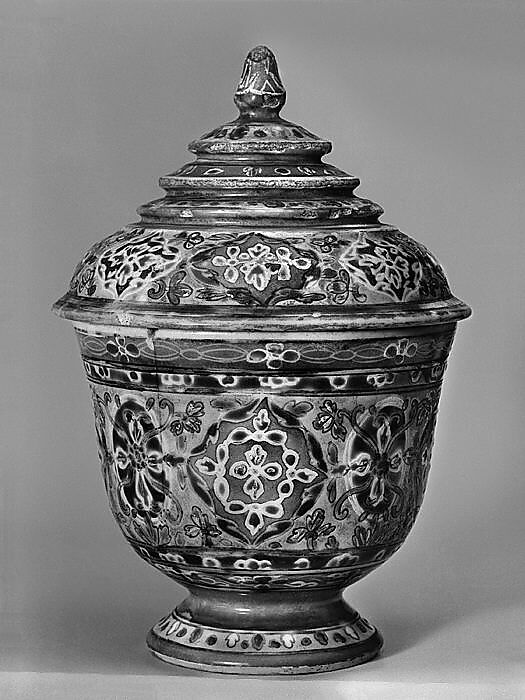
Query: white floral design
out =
(135, 257)
(253, 469)
(273, 355)
(401, 350)
(380, 379)
(258, 264)
(256, 471)
(382, 266)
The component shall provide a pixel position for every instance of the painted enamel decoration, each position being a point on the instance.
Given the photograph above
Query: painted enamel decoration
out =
(265, 360)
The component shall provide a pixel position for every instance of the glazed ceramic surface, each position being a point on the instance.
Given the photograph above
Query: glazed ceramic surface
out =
(265, 360)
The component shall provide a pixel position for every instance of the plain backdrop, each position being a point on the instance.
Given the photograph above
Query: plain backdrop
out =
(424, 101)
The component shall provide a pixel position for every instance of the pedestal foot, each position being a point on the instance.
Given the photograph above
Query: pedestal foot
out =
(253, 634)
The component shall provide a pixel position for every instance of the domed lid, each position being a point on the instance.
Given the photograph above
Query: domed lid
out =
(258, 233)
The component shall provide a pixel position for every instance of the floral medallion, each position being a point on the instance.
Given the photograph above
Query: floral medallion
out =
(255, 270)
(258, 463)
(138, 458)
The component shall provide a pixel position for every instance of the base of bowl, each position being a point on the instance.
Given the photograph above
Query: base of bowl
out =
(326, 635)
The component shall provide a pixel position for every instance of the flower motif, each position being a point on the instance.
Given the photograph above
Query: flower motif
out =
(253, 469)
(342, 560)
(258, 264)
(121, 349)
(249, 170)
(330, 419)
(192, 239)
(341, 286)
(325, 244)
(231, 263)
(201, 527)
(400, 350)
(148, 533)
(314, 528)
(177, 289)
(134, 257)
(273, 354)
(361, 536)
(257, 269)
(383, 267)
(375, 457)
(252, 564)
(380, 379)
(138, 457)
(285, 262)
(332, 543)
(84, 281)
(390, 267)
(190, 420)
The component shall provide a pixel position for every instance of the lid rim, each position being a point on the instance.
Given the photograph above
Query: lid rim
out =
(100, 311)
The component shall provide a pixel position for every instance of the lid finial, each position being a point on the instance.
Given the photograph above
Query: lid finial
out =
(260, 94)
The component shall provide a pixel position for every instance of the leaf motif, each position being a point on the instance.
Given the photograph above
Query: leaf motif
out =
(338, 430)
(181, 477)
(209, 294)
(202, 256)
(360, 536)
(243, 296)
(273, 530)
(287, 417)
(310, 496)
(210, 434)
(317, 453)
(200, 487)
(192, 530)
(332, 453)
(298, 408)
(321, 637)
(297, 535)
(332, 543)
(149, 403)
(196, 634)
(224, 402)
(231, 529)
(257, 641)
(222, 237)
(157, 290)
(286, 293)
(205, 276)
(240, 414)
(331, 490)
(171, 460)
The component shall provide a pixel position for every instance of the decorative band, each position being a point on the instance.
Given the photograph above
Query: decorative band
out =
(177, 382)
(256, 356)
(176, 629)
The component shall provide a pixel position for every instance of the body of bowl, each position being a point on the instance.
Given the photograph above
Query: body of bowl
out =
(265, 463)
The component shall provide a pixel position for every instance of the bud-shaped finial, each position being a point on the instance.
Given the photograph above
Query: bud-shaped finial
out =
(260, 94)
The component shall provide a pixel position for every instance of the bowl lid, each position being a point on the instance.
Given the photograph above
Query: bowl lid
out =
(258, 233)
